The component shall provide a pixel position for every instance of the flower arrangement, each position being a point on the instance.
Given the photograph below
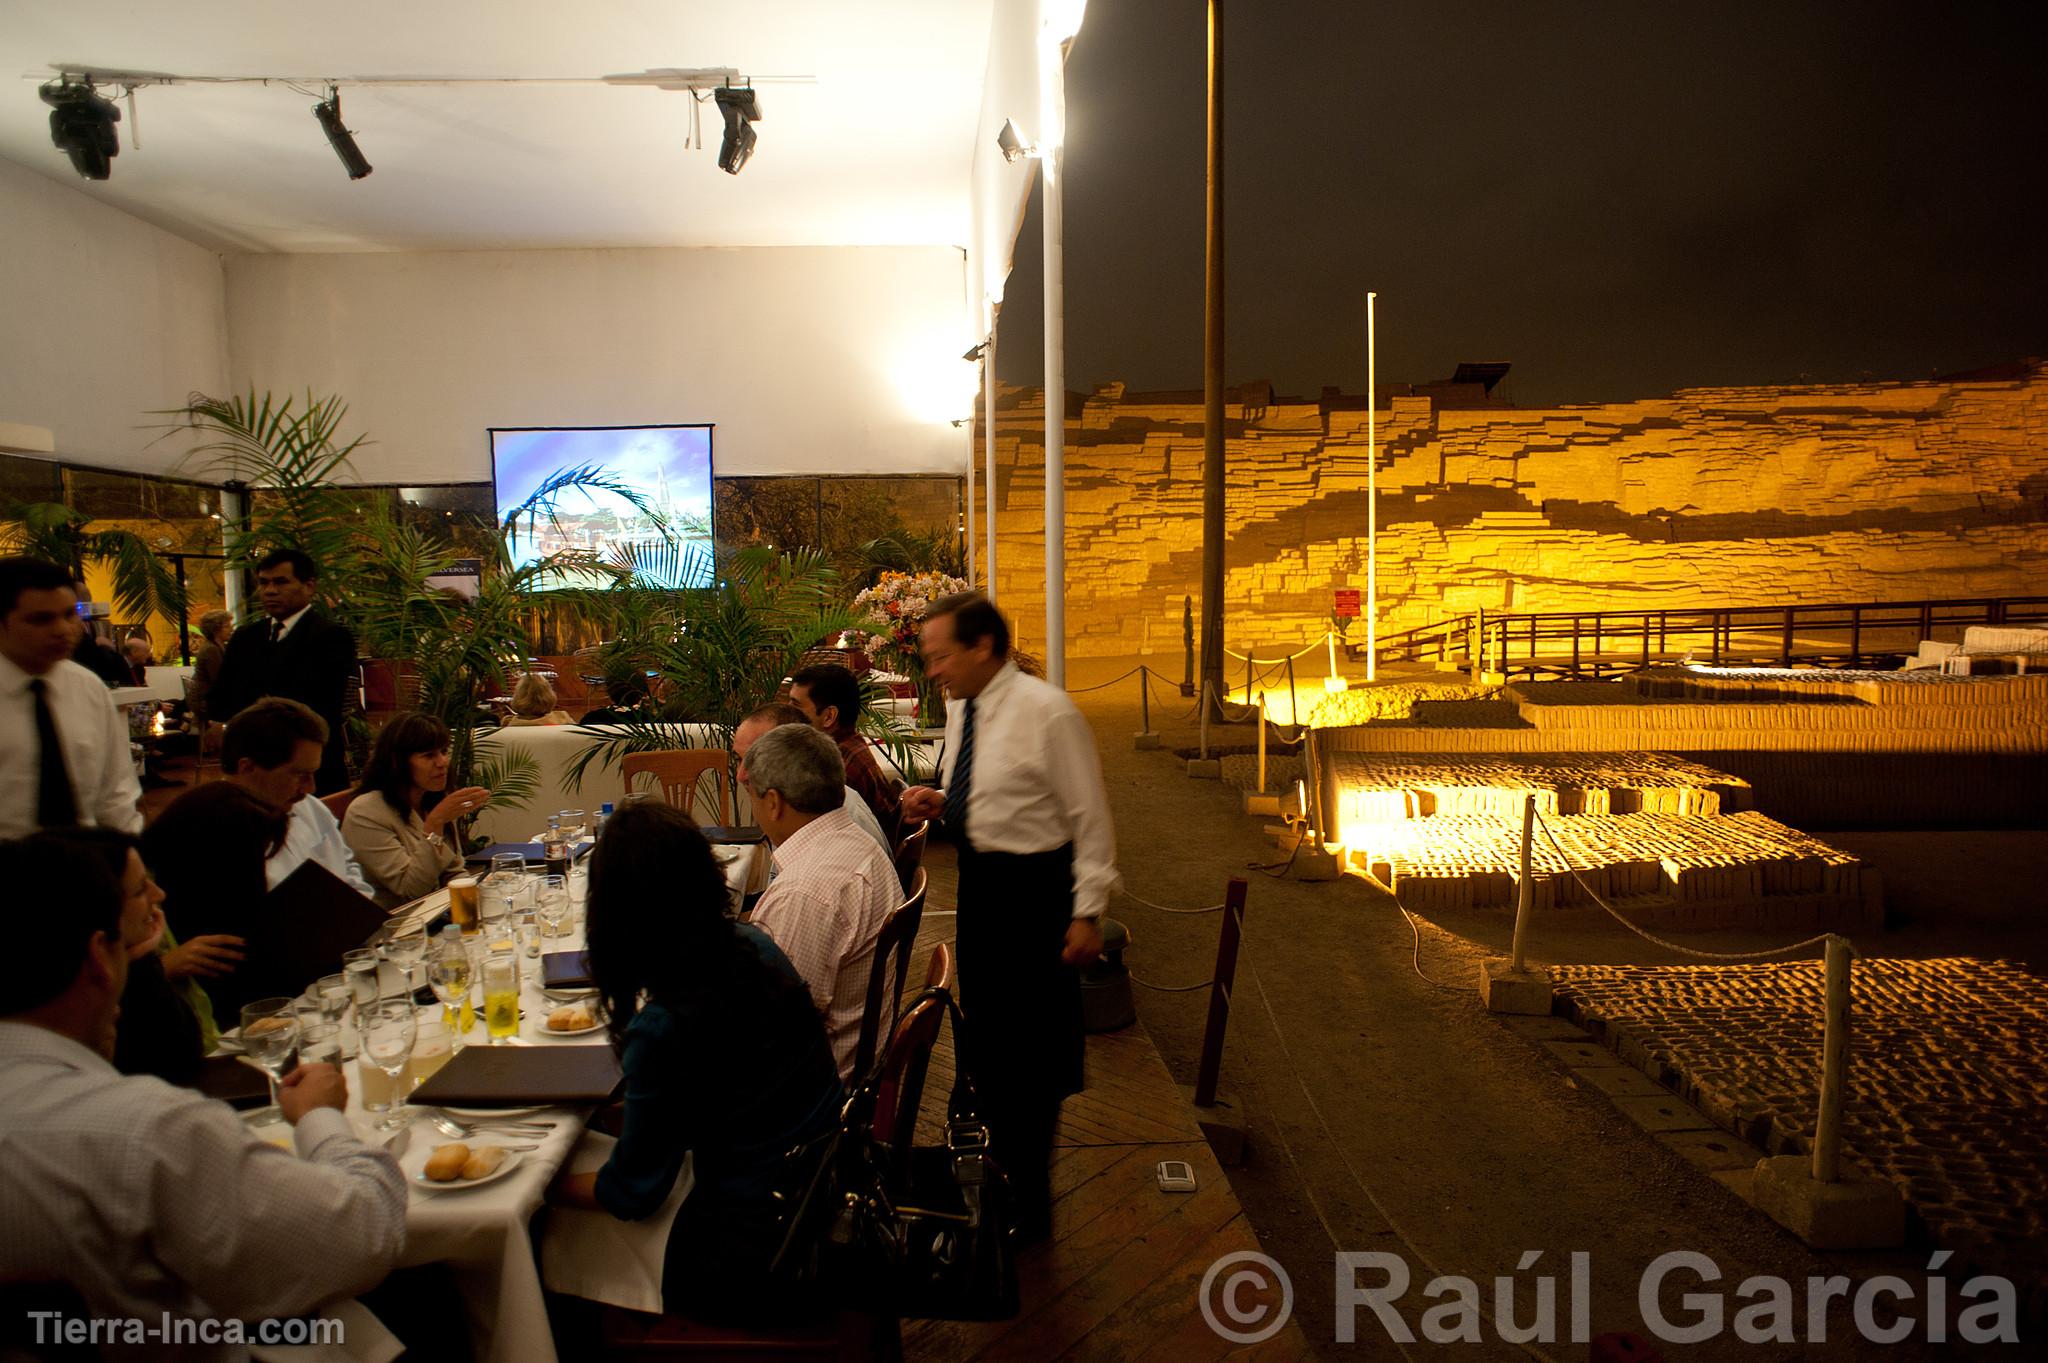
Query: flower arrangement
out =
(897, 605)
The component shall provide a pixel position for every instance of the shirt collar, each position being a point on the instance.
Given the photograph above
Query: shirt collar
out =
(12, 678)
(821, 826)
(285, 625)
(998, 685)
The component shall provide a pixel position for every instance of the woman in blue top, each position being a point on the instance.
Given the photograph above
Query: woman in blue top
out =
(724, 1056)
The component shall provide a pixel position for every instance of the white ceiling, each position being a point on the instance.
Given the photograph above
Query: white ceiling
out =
(875, 152)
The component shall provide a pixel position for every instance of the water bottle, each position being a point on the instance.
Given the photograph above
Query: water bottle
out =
(604, 816)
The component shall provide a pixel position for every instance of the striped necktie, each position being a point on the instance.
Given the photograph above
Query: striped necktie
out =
(962, 785)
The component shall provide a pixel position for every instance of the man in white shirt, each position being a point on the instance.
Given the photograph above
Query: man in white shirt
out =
(273, 751)
(1023, 798)
(774, 717)
(834, 887)
(148, 1200)
(63, 746)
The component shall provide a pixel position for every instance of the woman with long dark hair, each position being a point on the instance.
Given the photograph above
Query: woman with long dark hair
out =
(207, 851)
(724, 1055)
(400, 823)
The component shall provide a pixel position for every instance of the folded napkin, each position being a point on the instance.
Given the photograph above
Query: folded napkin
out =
(597, 1256)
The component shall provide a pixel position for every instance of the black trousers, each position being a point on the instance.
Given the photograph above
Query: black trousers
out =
(1024, 1042)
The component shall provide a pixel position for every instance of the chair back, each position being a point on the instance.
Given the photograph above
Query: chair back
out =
(938, 972)
(679, 772)
(899, 1089)
(338, 803)
(886, 974)
(910, 853)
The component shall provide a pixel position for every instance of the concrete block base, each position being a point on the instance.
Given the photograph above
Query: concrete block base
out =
(1256, 802)
(1854, 1212)
(1222, 1125)
(1506, 990)
(1145, 742)
(1312, 863)
(1206, 769)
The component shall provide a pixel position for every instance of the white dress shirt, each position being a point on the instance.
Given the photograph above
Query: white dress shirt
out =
(833, 890)
(148, 1199)
(284, 626)
(314, 834)
(1037, 785)
(95, 741)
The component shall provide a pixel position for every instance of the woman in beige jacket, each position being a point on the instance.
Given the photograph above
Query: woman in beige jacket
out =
(404, 851)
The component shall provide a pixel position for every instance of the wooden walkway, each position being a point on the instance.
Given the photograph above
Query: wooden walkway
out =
(1118, 1279)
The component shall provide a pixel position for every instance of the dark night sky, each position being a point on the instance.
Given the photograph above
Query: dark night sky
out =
(1621, 198)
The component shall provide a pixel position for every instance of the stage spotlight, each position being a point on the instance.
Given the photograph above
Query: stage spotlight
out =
(742, 109)
(328, 111)
(1012, 142)
(82, 126)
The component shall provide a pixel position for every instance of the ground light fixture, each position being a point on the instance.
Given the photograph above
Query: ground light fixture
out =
(82, 126)
(1012, 142)
(742, 109)
(328, 111)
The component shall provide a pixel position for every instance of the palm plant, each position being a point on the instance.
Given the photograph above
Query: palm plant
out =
(144, 585)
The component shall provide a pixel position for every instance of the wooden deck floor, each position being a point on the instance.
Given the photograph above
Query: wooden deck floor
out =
(1118, 1279)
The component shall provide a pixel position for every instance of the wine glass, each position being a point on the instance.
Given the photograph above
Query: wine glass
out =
(450, 976)
(360, 966)
(389, 1030)
(573, 825)
(552, 904)
(270, 1037)
(320, 1043)
(406, 953)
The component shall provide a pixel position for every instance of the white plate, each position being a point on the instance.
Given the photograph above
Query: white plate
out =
(415, 1165)
(542, 1029)
(486, 1114)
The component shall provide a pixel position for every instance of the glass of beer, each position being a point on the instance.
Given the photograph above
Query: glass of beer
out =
(429, 1054)
(464, 903)
(501, 996)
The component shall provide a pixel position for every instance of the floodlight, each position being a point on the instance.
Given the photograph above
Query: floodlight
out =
(742, 109)
(328, 111)
(82, 126)
(1012, 142)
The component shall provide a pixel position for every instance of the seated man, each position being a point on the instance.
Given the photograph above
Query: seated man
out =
(273, 750)
(774, 717)
(829, 696)
(834, 887)
(148, 1200)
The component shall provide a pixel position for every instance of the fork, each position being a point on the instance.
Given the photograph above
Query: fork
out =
(451, 1127)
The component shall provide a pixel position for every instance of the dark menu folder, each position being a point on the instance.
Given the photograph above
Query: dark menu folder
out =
(307, 922)
(565, 970)
(522, 1076)
(233, 1081)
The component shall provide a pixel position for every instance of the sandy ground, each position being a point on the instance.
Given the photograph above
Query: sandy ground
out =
(1387, 1112)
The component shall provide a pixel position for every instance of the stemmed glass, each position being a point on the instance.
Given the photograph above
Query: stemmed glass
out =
(553, 904)
(450, 976)
(332, 993)
(270, 1037)
(406, 953)
(389, 1030)
(574, 825)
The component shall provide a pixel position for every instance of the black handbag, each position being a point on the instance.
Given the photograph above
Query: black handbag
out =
(928, 1234)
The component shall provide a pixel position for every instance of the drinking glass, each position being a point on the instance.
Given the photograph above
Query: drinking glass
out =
(507, 864)
(463, 894)
(529, 936)
(270, 1037)
(501, 996)
(574, 825)
(551, 902)
(333, 992)
(389, 1031)
(450, 976)
(406, 953)
(320, 1043)
(360, 966)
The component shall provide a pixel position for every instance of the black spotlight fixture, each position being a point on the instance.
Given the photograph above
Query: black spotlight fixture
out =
(82, 126)
(742, 109)
(328, 111)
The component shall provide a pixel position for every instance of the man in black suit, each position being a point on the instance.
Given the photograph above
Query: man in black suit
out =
(295, 652)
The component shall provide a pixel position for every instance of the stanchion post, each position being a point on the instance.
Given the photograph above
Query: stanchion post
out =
(1145, 738)
(1211, 1065)
(1262, 744)
(1205, 719)
(1293, 701)
(1187, 642)
(1525, 892)
(1827, 1135)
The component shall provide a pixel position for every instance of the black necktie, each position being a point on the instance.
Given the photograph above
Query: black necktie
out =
(963, 777)
(276, 630)
(56, 803)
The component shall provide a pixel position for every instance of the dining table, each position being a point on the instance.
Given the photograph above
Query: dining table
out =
(482, 1233)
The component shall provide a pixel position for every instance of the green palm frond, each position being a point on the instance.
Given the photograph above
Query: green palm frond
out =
(144, 584)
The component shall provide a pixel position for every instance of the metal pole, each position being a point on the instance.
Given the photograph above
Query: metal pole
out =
(1144, 701)
(1525, 892)
(1203, 706)
(1293, 700)
(1219, 993)
(1212, 375)
(1053, 193)
(1827, 1135)
(1187, 643)
(988, 458)
(1262, 743)
(1372, 496)
(969, 556)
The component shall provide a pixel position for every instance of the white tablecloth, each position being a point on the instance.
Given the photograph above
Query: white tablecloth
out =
(481, 1233)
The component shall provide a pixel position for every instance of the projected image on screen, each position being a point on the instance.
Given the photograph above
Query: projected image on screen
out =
(668, 467)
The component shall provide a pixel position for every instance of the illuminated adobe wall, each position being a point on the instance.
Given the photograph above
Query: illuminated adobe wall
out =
(1725, 496)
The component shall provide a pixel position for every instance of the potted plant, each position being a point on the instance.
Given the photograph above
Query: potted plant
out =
(894, 609)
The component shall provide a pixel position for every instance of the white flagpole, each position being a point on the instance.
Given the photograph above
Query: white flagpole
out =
(1372, 497)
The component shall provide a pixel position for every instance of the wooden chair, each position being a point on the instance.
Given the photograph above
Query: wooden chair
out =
(679, 771)
(910, 853)
(899, 930)
(338, 803)
(938, 973)
(899, 1091)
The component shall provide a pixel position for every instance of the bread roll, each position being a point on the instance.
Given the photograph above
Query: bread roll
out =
(446, 1163)
(483, 1160)
(573, 1018)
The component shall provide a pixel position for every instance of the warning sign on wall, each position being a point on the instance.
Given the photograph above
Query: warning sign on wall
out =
(1347, 602)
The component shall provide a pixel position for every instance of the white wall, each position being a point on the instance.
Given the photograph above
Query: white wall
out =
(107, 319)
(809, 359)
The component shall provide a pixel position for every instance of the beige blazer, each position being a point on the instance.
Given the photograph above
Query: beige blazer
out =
(394, 852)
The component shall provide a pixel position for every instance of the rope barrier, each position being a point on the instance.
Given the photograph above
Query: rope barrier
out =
(1245, 658)
(1170, 988)
(1083, 690)
(1213, 908)
(1659, 941)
